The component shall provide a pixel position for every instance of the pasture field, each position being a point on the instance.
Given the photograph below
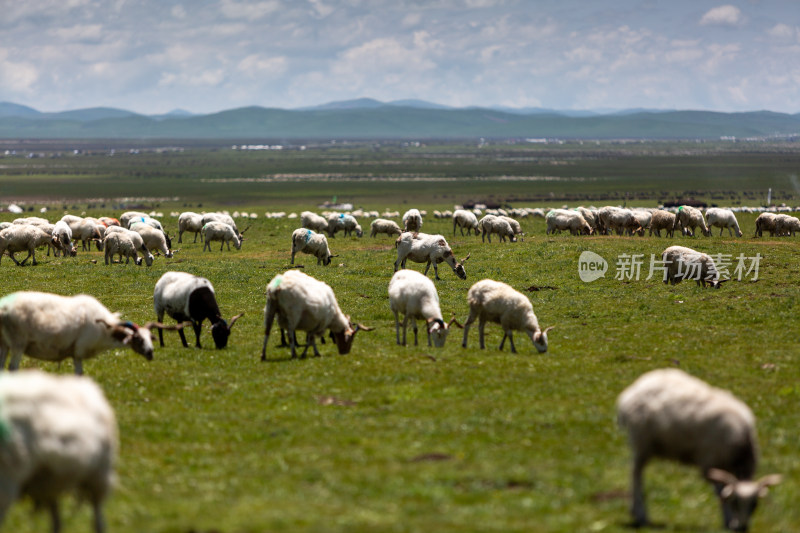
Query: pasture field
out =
(392, 438)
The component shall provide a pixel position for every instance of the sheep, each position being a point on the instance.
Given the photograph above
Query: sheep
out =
(722, 218)
(382, 225)
(344, 222)
(619, 220)
(412, 220)
(126, 217)
(308, 242)
(498, 302)
(430, 249)
(60, 437)
(118, 243)
(561, 219)
(765, 221)
(685, 263)
(191, 222)
(138, 242)
(644, 218)
(108, 221)
(186, 297)
(669, 414)
(589, 215)
(154, 239)
(220, 231)
(50, 327)
(313, 221)
(465, 219)
(64, 235)
(689, 218)
(487, 218)
(415, 296)
(21, 237)
(149, 221)
(88, 230)
(498, 225)
(662, 219)
(515, 225)
(306, 304)
(351, 225)
(786, 225)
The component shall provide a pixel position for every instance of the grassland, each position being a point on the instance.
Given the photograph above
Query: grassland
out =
(394, 438)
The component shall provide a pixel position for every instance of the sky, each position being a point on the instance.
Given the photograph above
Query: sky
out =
(203, 56)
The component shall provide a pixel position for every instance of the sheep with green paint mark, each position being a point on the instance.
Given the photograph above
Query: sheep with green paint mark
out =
(311, 243)
(58, 435)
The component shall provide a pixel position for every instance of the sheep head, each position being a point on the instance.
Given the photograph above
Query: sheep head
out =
(130, 334)
(739, 498)
(221, 330)
(539, 339)
(344, 339)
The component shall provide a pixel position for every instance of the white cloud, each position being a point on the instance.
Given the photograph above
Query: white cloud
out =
(726, 15)
(18, 77)
(248, 10)
(321, 9)
(783, 31)
(179, 12)
(256, 65)
(81, 32)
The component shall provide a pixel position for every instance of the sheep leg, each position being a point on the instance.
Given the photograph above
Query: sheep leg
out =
(414, 327)
(16, 358)
(207, 245)
(55, 518)
(638, 508)
(198, 327)
(510, 336)
(502, 342)
(397, 327)
(77, 363)
(470, 319)
(292, 342)
(99, 523)
(310, 339)
(481, 326)
(11, 255)
(30, 253)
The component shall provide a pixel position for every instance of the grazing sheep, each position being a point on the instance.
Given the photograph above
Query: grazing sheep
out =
(186, 297)
(52, 328)
(786, 225)
(644, 218)
(220, 231)
(765, 222)
(118, 243)
(381, 225)
(561, 220)
(191, 222)
(20, 238)
(465, 219)
(499, 226)
(589, 215)
(495, 301)
(109, 221)
(154, 239)
(351, 226)
(515, 225)
(430, 249)
(618, 220)
(138, 242)
(220, 217)
(689, 218)
(415, 296)
(59, 437)
(88, 231)
(662, 219)
(126, 217)
(684, 263)
(313, 221)
(306, 304)
(62, 232)
(308, 242)
(344, 222)
(722, 218)
(672, 415)
(412, 220)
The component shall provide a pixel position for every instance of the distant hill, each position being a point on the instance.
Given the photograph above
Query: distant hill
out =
(403, 119)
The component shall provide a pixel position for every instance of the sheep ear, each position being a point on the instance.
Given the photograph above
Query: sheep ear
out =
(768, 481)
(234, 319)
(721, 476)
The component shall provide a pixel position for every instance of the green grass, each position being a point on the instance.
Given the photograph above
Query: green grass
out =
(392, 438)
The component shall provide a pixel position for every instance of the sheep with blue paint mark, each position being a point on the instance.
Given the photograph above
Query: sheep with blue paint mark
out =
(311, 243)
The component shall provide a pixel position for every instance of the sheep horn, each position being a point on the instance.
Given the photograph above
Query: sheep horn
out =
(454, 321)
(721, 476)
(361, 327)
(234, 319)
(245, 229)
(548, 328)
(465, 259)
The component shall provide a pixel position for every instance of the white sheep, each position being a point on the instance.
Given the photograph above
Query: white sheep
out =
(430, 249)
(313, 221)
(60, 437)
(671, 415)
(765, 222)
(220, 217)
(382, 225)
(50, 327)
(412, 220)
(563, 220)
(307, 241)
(154, 239)
(191, 222)
(644, 218)
(662, 219)
(464, 219)
(306, 304)
(722, 218)
(21, 238)
(186, 297)
(619, 220)
(88, 231)
(220, 231)
(351, 226)
(683, 263)
(786, 225)
(415, 296)
(515, 225)
(499, 226)
(689, 218)
(118, 243)
(126, 217)
(590, 215)
(138, 242)
(495, 301)
(62, 232)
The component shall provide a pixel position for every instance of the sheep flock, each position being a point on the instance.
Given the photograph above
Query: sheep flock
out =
(666, 413)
